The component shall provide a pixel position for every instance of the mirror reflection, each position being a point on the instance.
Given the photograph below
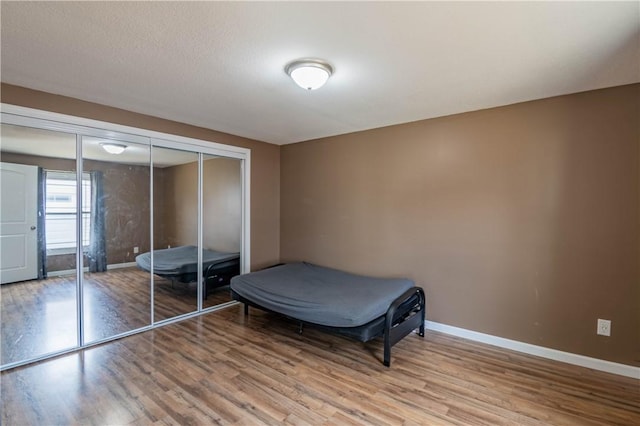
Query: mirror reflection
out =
(221, 226)
(175, 233)
(116, 228)
(118, 191)
(38, 242)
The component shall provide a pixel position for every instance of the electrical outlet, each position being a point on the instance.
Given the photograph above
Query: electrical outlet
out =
(136, 250)
(604, 327)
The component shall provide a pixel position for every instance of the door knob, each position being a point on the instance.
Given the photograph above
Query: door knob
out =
(33, 228)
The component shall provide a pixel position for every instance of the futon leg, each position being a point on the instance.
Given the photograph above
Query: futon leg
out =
(387, 351)
(394, 333)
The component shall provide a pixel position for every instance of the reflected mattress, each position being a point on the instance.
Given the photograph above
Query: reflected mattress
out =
(183, 260)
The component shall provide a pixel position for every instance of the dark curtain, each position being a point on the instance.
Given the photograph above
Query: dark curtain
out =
(97, 254)
(42, 235)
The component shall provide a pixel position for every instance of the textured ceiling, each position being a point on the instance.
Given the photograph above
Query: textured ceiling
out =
(53, 144)
(220, 64)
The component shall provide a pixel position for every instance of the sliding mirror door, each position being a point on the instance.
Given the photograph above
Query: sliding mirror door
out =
(116, 183)
(221, 226)
(175, 232)
(108, 230)
(38, 209)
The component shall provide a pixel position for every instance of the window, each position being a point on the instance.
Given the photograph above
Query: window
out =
(60, 211)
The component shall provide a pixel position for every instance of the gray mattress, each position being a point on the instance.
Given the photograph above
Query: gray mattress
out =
(181, 260)
(320, 295)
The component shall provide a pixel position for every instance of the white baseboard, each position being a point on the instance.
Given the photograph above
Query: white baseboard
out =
(527, 348)
(86, 269)
(64, 272)
(121, 265)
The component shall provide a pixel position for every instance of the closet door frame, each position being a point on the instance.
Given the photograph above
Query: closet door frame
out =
(83, 127)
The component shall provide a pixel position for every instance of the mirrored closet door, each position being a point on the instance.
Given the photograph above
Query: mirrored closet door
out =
(108, 232)
(221, 226)
(175, 232)
(116, 196)
(38, 294)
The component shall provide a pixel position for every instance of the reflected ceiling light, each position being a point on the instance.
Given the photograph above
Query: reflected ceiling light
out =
(310, 74)
(113, 148)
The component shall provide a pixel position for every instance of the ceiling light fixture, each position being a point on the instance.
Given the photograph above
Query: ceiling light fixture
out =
(113, 148)
(310, 74)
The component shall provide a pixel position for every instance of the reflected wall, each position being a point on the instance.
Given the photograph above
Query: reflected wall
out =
(116, 293)
(221, 223)
(175, 219)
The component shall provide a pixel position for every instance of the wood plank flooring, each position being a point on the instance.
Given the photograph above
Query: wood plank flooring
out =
(39, 317)
(225, 368)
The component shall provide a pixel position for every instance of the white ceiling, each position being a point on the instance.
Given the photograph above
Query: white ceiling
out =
(220, 65)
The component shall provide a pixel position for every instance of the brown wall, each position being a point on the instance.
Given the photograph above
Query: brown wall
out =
(126, 204)
(265, 158)
(160, 219)
(222, 204)
(181, 204)
(520, 222)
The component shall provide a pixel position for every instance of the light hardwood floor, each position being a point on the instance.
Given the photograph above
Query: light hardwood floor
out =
(225, 368)
(39, 317)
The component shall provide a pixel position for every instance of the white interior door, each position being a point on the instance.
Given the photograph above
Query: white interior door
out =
(18, 222)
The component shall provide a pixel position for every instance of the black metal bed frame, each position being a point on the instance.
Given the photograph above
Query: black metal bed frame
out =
(214, 276)
(404, 314)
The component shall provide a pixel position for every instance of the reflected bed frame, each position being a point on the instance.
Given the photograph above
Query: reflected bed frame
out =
(180, 264)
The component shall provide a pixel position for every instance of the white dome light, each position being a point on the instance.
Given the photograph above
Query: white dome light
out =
(113, 148)
(310, 74)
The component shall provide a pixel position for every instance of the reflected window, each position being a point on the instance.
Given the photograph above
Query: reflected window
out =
(60, 211)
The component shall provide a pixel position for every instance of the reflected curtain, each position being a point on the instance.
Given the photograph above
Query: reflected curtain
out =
(42, 234)
(97, 254)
